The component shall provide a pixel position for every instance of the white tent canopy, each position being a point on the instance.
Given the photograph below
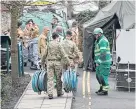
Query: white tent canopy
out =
(125, 11)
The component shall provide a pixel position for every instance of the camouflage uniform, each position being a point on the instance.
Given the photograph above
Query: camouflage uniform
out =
(54, 54)
(73, 54)
(75, 35)
(41, 45)
(20, 33)
(71, 50)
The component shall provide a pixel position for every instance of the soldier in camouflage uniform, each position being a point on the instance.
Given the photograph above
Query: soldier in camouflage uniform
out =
(71, 49)
(75, 38)
(54, 54)
(59, 31)
(75, 33)
(42, 42)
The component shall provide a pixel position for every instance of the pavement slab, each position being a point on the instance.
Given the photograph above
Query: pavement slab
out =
(31, 100)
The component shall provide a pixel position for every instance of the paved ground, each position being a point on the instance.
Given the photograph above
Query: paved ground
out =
(115, 99)
(31, 100)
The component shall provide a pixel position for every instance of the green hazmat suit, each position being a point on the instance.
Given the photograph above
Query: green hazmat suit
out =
(103, 59)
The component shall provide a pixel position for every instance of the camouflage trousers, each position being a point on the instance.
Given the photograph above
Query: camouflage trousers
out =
(54, 68)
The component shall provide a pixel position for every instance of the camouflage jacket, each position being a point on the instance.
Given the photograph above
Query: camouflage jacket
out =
(54, 51)
(70, 49)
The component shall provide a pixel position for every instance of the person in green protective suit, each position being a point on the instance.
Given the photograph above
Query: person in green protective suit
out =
(103, 61)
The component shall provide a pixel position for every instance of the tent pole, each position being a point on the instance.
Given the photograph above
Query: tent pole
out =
(114, 43)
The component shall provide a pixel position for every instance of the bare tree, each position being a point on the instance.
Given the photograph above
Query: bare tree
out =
(69, 9)
(103, 3)
(15, 8)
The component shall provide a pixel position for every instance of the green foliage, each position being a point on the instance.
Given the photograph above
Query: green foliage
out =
(85, 16)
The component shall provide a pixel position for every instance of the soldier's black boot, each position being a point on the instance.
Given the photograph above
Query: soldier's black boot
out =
(60, 94)
(77, 74)
(99, 90)
(39, 93)
(102, 93)
(32, 63)
(34, 67)
(50, 96)
(66, 90)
